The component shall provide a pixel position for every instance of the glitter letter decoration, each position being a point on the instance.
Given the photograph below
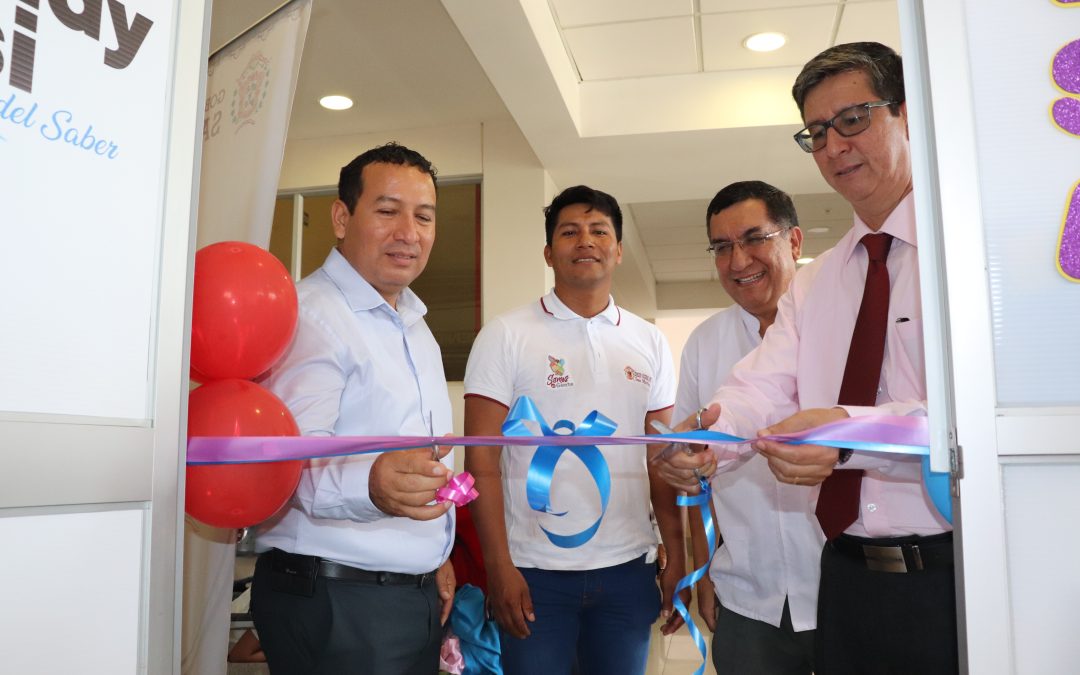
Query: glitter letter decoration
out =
(1065, 112)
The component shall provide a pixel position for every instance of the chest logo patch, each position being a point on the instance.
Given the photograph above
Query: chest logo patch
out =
(558, 377)
(637, 376)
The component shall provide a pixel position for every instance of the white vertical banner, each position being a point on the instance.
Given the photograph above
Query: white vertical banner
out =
(250, 85)
(83, 101)
(249, 94)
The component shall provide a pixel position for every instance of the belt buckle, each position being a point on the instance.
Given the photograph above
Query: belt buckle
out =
(886, 558)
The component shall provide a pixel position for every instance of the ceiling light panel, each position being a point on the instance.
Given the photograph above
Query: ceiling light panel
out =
(870, 21)
(577, 13)
(637, 49)
(807, 28)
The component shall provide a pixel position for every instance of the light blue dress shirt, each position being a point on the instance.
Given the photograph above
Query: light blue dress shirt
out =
(357, 367)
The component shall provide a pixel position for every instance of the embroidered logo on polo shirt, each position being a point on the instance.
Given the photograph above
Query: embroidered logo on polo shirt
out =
(558, 377)
(637, 376)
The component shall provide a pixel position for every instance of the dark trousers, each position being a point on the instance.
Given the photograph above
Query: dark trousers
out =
(345, 627)
(884, 623)
(745, 646)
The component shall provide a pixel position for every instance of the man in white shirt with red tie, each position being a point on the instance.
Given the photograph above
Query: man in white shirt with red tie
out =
(847, 341)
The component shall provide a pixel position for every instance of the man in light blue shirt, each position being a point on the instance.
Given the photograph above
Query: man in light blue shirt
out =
(355, 567)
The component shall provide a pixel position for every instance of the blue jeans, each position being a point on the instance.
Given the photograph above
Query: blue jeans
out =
(599, 619)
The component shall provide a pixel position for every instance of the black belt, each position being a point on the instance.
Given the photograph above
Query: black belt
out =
(898, 554)
(290, 563)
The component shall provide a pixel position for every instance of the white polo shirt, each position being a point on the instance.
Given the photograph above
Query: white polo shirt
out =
(616, 363)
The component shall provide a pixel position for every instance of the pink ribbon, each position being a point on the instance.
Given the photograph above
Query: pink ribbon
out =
(458, 490)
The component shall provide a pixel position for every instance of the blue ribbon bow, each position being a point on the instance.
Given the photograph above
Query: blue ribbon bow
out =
(542, 467)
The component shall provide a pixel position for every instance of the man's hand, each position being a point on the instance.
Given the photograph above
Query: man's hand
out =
(706, 602)
(403, 483)
(801, 464)
(445, 583)
(509, 599)
(681, 470)
(669, 578)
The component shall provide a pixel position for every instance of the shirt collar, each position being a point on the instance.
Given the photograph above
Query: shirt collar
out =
(900, 224)
(750, 322)
(362, 296)
(551, 304)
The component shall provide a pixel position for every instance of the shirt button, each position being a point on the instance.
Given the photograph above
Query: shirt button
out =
(871, 507)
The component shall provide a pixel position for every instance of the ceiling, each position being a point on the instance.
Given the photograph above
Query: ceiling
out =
(654, 101)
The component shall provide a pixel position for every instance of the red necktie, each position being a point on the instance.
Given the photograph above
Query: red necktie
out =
(838, 502)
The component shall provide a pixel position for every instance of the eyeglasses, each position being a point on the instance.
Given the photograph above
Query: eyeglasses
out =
(723, 249)
(850, 122)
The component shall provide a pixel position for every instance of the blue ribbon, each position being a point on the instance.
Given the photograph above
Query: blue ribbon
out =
(700, 500)
(542, 466)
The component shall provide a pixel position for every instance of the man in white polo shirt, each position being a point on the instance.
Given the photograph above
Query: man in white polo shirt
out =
(561, 591)
(766, 571)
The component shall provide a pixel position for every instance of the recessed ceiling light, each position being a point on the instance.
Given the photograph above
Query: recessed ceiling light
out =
(336, 102)
(765, 42)
(803, 261)
(818, 230)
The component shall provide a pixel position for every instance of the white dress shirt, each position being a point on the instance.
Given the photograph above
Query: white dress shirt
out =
(357, 367)
(772, 541)
(801, 361)
(614, 362)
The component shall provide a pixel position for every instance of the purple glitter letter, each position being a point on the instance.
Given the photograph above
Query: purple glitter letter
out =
(1069, 241)
(1066, 72)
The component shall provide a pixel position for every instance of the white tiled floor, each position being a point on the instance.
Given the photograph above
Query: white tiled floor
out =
(677, 654)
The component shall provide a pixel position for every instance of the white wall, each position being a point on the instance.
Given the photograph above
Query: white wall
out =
(676, 325)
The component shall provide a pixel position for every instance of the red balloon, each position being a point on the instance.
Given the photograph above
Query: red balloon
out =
(243, 312)
(239, 495)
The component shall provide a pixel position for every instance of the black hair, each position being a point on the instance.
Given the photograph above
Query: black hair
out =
(778, 204)
(882, 65)
(351, 180)
(582, 194)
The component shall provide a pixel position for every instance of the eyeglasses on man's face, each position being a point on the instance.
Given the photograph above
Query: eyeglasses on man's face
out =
(850, 122)
(722, 249)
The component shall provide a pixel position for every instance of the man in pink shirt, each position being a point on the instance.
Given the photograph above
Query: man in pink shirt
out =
(847, 341)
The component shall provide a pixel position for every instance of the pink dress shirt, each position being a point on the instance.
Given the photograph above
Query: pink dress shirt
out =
(800, 364)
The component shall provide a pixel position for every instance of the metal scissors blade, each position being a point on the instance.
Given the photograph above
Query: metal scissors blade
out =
(670, 448)
(431, 432)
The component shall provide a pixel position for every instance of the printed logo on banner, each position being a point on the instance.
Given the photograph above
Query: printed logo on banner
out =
(250, 92)
(63, 125)
(558, 377)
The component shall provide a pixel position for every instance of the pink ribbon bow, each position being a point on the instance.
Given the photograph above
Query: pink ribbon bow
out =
(459, 490)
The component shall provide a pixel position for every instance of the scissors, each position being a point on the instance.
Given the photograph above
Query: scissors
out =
(671, 448)
(431, 432)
